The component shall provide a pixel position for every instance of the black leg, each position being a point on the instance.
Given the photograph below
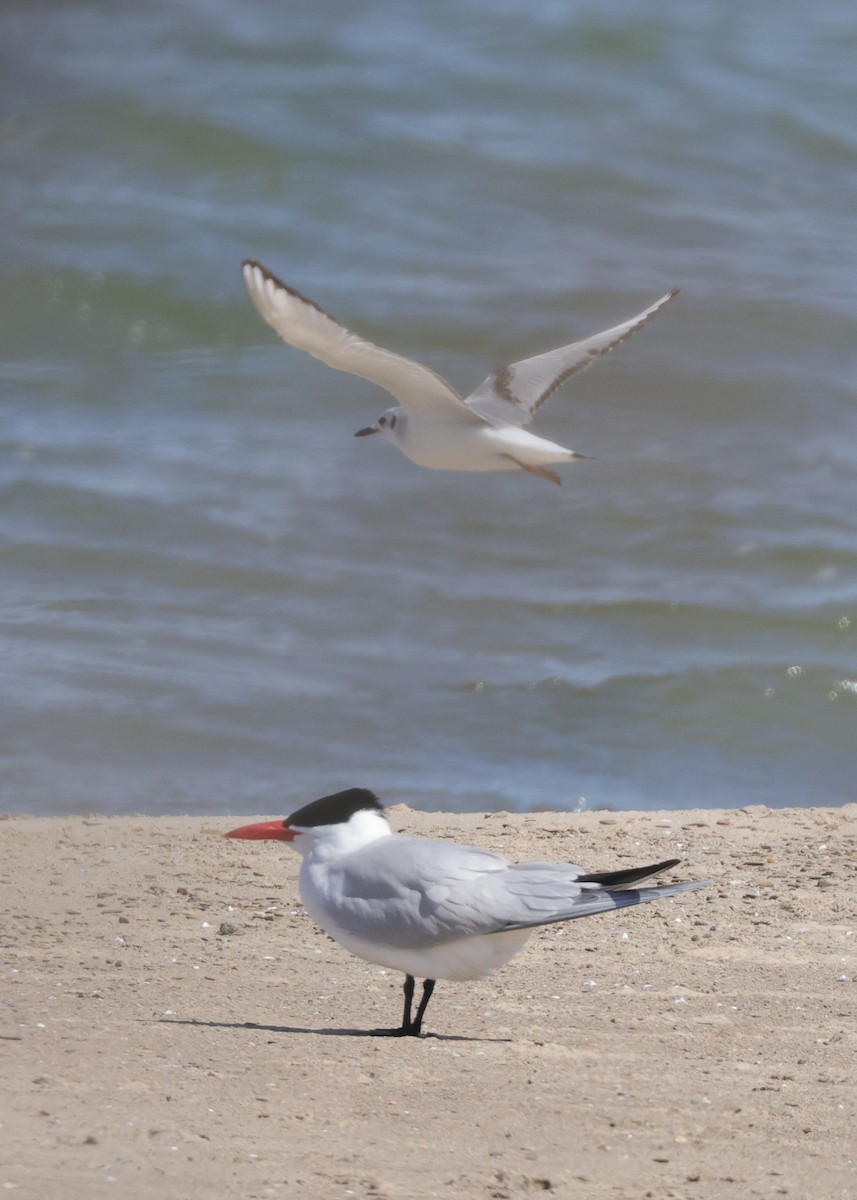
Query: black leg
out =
(408, 988)
(408, 1027)
(417, 1024)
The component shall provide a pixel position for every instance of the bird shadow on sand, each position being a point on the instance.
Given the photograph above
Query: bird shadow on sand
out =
(355, 1033)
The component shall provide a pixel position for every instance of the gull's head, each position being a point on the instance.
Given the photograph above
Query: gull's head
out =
(333, 825)
(391, 425)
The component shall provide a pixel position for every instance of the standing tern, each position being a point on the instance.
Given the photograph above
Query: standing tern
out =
(435, 427)
(434, 909)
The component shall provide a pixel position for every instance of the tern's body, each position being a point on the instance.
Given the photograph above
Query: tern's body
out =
(433, 909)
(402, 902)
(433, 425)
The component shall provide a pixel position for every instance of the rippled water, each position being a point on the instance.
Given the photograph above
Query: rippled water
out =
(215, 599)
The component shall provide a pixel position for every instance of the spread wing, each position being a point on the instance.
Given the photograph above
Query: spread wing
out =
(511, 395)
(303, 324)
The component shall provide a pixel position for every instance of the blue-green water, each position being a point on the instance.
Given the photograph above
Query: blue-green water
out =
(215, 599)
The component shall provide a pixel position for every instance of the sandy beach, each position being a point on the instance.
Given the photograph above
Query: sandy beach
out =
(173, 1025)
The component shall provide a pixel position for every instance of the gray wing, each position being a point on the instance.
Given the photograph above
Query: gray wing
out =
(304, 325)
(598, 900)
(416, 893)
(544, 893)
(398, 889)
(513, 394)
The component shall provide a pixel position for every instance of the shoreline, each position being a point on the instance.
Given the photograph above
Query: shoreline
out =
(172, 1019)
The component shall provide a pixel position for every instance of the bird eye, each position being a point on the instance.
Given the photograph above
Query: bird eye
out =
(382, 421)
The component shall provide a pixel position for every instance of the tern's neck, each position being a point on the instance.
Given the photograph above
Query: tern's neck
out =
(332, 841)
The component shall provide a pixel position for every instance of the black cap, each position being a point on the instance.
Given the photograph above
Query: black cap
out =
(335, 809)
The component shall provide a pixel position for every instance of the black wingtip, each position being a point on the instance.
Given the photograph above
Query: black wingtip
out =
(253, 264)
(610, 879)
(267, 274)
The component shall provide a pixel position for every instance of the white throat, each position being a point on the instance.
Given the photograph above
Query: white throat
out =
(332, 841)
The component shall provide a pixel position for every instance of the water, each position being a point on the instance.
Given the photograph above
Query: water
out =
(215, 599)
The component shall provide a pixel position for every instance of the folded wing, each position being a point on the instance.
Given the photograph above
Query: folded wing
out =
(513, 394)
(415, 893)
